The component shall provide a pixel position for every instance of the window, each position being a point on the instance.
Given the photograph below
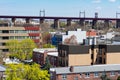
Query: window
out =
(64, 77)
(118, 72)
(0, 31)
(5, 31)
(12, 37)
(100, 60)
(5, 50)
(87, 75)
(51, 76)
(3, 44)
(76, 78)
(100, 51)
(112, 73)
(104, 60)
(96, 74)
(11, 31)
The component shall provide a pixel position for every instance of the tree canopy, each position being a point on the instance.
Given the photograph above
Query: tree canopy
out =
(118, 78)
(104, 76)
(26, 72)
(48, 46)
(46, 37)
(21, 49)
(47, 64)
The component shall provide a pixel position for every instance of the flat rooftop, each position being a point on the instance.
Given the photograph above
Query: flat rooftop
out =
(2, 68)
(82, 69)
(50, 51)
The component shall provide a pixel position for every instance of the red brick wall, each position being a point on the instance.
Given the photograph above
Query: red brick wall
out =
(83, 77)
(41, 60)
(38, 58)
(53, 60)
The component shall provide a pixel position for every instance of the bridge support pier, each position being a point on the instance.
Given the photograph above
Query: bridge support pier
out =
(56, 23)
(82, 22)
(94, 24)
(118, 24)
(41, 21)
(28, 20)
(13, 21)
(68, 22)
(106, 23)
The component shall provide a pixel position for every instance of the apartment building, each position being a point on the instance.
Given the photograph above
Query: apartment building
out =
(40, 55)
(93, 72)
(75, 55)
(8, 32)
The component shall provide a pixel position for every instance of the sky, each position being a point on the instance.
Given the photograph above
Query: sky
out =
(63, 8)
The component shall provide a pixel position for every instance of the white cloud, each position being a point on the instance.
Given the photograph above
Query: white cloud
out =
(96, 1)
(112, 0)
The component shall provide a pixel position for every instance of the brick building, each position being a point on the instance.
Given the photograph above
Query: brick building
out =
(39, 56)
(75, 55)
(93, 72)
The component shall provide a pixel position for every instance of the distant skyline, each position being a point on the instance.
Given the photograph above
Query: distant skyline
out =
(68, 8)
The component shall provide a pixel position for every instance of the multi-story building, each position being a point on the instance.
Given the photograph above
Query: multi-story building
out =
(40, 55)
(65, 37)
(8, 32)
(75, 55)
(77, 34)
(93, 72)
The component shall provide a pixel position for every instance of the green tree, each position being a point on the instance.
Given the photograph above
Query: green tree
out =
(104, 77)
(26, 72)
(118, 78)
(48, 46)
(46, 37)
(27, 46)
(62, 24)
(1, 58)
(47, 64)
(13, 46)
(21, 49)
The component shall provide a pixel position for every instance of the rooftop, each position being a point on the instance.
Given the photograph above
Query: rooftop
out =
(92, 68)
(50, 51)
(2, 68)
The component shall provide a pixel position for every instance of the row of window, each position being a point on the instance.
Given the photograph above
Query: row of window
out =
(87, 75)
(63, 53)
(19, 31)
(20, 37)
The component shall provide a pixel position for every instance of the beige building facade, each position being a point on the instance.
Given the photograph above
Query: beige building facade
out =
(76, 55)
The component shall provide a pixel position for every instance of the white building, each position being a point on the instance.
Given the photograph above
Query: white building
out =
(80, 35)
